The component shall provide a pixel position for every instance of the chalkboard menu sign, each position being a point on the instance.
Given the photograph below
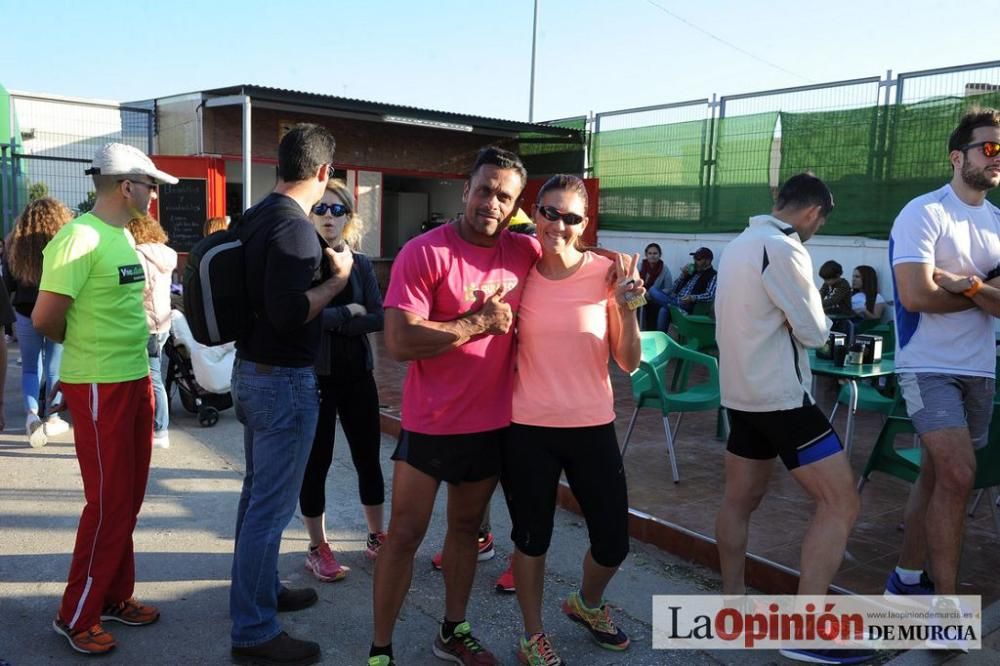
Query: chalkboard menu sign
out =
(183, 211)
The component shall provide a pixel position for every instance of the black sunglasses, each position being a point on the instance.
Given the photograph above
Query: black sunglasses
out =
(138, 182)
(338, 210)
(989, 148)
(552, 214)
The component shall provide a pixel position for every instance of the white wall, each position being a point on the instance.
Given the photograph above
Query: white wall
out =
(848, 251)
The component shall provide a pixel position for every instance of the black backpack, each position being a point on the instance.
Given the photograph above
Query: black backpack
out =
(216, 304)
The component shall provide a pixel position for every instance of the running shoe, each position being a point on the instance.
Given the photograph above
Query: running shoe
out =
(822, 656)
(322, 563)
(54, 425)
(597, 621)
(374, 544)
(35, 431)
(538, 651)
(381, 660)
(895, 586)
(505, 583)
(463, 648)
(87, 641)
(486, 551)
(131, 612)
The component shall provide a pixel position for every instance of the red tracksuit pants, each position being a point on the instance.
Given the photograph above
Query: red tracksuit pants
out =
(113, 429)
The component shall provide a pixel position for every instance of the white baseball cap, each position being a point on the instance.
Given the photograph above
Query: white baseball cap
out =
(119, 159)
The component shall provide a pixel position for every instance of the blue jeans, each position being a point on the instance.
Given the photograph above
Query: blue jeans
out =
(278, 408)
(161, 412)
(664, 300)
(39, 357)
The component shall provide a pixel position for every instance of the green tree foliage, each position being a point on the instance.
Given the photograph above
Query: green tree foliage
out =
(37, 190)
(85, 206)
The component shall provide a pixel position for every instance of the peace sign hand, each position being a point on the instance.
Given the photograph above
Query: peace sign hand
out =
(629, 290)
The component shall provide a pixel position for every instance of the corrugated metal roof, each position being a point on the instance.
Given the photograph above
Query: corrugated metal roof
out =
(334, 102)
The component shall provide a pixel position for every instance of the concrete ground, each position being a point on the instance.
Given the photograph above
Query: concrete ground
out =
(184, 547)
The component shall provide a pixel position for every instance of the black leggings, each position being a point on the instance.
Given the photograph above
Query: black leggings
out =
(533, 459)
(357, 405)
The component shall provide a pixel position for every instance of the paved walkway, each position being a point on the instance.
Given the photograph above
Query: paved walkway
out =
(184, 546)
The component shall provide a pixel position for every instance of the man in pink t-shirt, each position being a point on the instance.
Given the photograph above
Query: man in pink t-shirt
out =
(451, 303)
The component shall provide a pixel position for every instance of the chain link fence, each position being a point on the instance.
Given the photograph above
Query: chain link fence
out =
(58, 138)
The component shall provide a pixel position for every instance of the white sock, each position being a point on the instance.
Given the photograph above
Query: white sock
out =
(909, 576)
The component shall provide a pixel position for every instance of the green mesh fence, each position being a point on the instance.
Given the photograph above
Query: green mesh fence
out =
(918, 152)
(842, 148)
(544, 155)
(651, 177)
(874, 158)
(741, 180)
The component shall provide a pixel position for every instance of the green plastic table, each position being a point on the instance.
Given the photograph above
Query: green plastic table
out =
(851, 374)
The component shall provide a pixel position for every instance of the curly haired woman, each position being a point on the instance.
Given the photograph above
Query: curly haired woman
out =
(22, 272)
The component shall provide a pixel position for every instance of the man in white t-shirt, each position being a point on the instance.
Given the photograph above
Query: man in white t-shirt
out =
(945, 252)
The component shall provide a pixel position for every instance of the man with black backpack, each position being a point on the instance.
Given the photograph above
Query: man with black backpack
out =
(290, 277)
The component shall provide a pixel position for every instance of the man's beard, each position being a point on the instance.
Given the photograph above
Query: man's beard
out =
(977, 179)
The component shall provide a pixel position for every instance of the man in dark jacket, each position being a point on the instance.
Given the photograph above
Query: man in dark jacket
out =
(290, 278)
(696, 284)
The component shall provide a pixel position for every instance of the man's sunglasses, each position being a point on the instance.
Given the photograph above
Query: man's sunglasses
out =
(552, 214)
(338, 210)
(138, 182)
(989, 148)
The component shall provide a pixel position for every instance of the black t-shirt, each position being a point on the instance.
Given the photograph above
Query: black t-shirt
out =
(283, 255)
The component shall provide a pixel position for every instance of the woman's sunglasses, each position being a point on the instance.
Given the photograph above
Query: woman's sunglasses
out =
(989, 148)
(338, 210)
(552, 214)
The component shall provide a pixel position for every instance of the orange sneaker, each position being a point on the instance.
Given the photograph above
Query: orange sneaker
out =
(130, 612)
(87, 641)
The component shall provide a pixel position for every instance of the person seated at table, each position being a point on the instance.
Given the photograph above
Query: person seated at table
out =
(654, 272)
(866, 302)
(835, 292)
(695, 285)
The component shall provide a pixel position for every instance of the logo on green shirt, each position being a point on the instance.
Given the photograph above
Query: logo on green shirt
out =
(130, 274)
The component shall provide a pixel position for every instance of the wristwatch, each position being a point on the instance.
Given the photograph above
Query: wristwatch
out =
(975, 284)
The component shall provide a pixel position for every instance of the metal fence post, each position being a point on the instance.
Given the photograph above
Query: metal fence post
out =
(15, 168)
(149, 132)
(4, 188)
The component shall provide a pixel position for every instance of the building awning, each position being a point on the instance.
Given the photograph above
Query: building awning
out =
(295, 100)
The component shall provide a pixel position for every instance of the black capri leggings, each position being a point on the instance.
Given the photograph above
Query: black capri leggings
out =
(357, 404)
(533, 459)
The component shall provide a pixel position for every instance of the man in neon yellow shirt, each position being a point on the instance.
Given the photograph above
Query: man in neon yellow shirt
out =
(90, 299)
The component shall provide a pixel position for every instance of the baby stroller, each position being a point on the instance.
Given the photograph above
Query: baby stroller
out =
(201, 374)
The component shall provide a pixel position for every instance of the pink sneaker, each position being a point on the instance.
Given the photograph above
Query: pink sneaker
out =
(374, 544)
(324, 565)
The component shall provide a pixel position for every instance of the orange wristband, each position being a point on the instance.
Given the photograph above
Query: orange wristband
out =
(977, 284)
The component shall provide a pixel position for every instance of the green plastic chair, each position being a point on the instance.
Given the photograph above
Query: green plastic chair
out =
(706, 308)
(696, 332)
(649, 387)
(904, 463)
